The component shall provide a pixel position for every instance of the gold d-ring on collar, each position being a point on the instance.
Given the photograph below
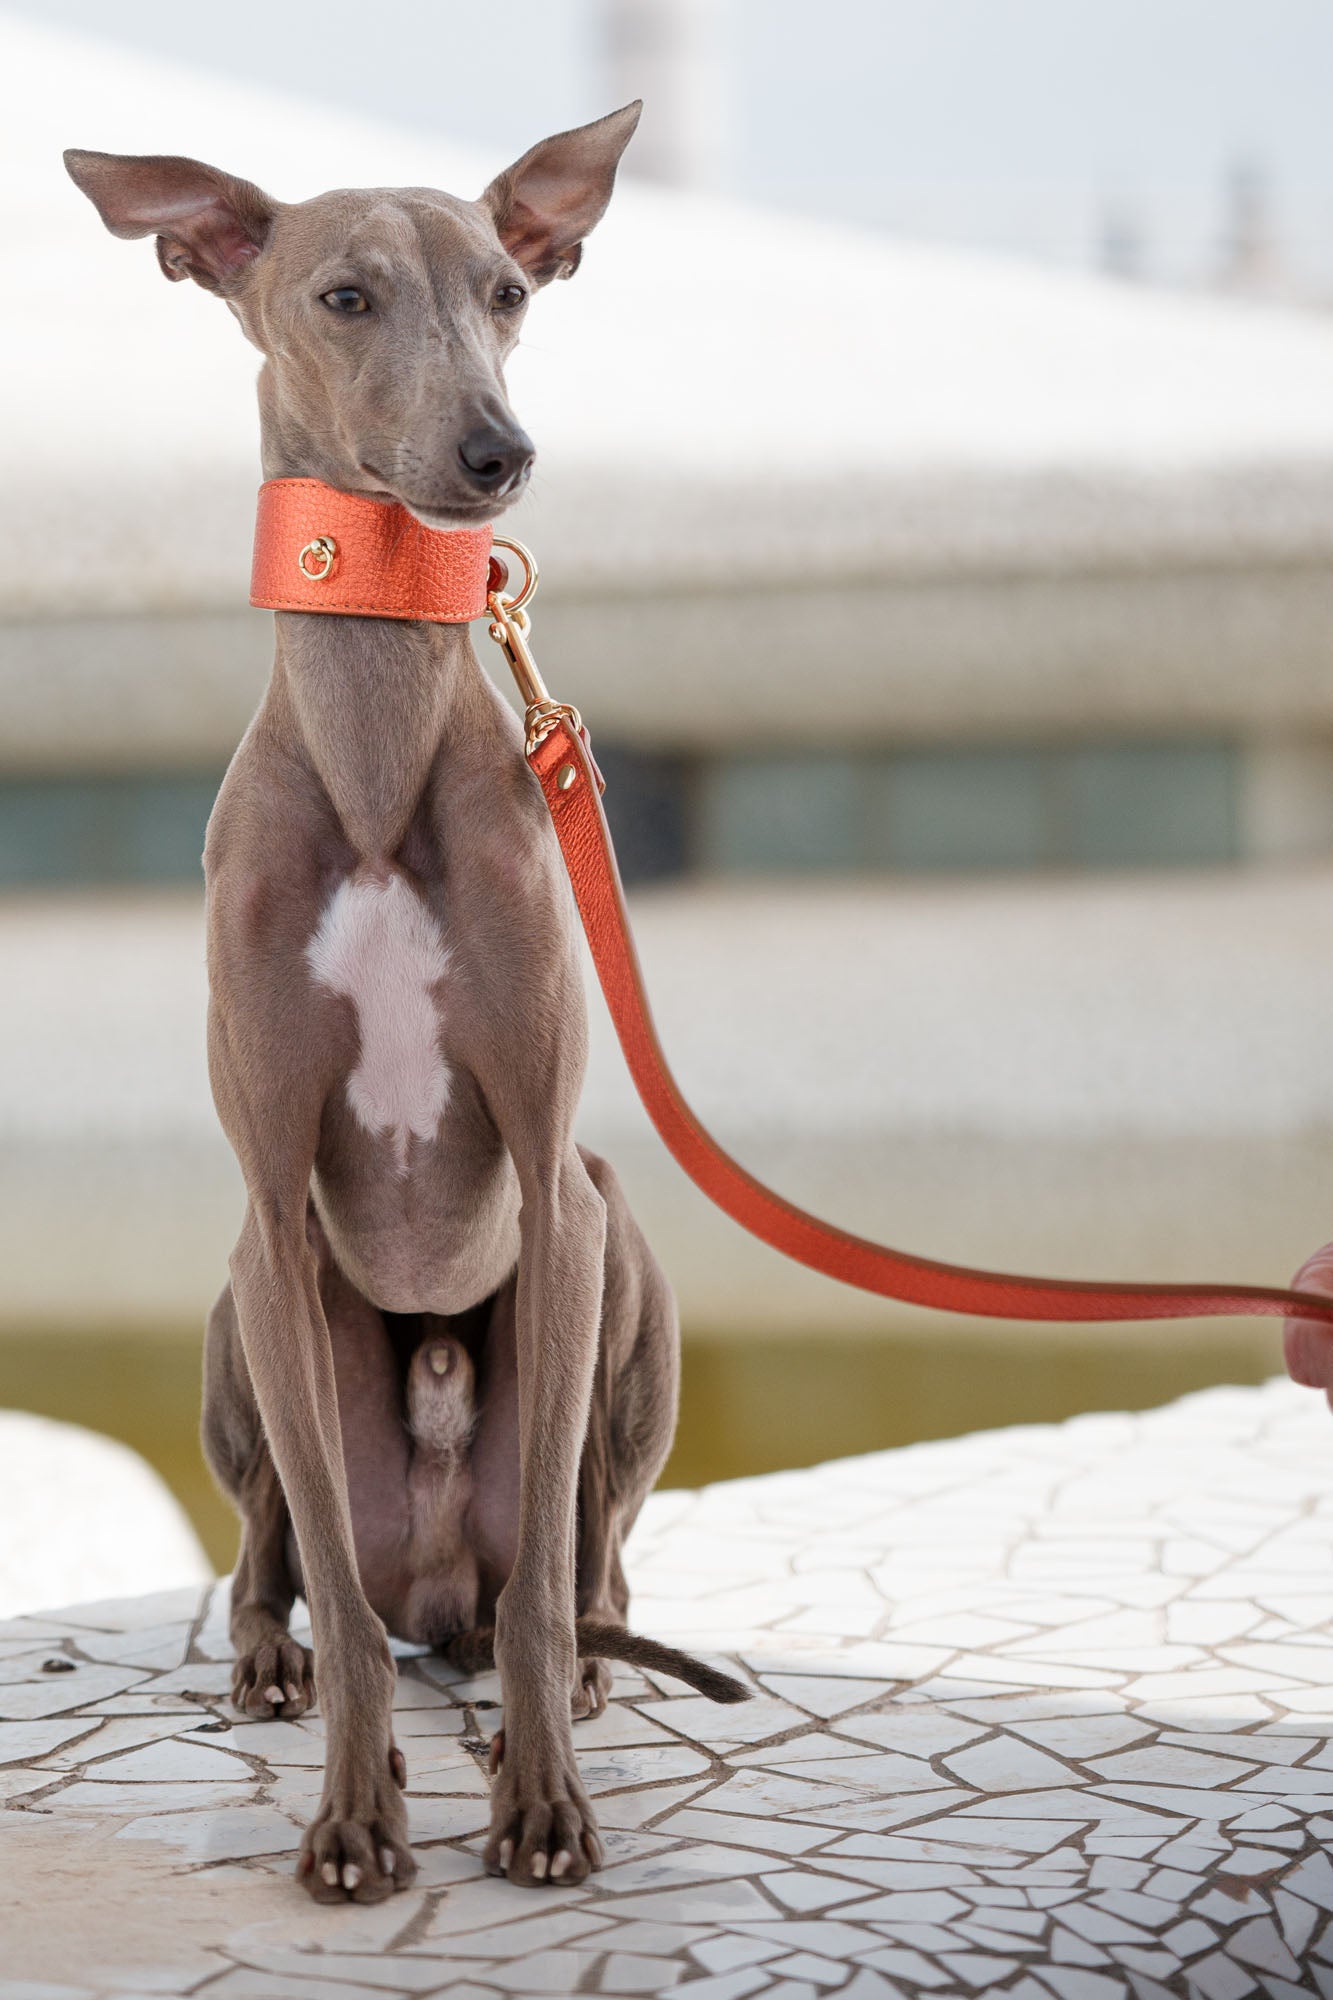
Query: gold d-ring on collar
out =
(529, 562)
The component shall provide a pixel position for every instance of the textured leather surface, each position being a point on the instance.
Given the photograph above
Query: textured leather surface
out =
(386, 564)
(585, 841)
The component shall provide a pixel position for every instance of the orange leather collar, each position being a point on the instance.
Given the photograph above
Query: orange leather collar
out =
(317, 549)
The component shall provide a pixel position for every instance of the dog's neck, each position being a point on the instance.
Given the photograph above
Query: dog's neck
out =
(369, 703)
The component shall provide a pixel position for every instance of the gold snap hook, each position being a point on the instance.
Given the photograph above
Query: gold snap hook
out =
(509, 628)
(321, 552)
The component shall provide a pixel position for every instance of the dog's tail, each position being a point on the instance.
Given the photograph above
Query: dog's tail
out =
(474, 1653)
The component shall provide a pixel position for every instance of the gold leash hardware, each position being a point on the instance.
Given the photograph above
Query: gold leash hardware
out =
(509, 628)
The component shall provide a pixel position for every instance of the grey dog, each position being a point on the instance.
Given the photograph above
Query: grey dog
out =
(443, 1375)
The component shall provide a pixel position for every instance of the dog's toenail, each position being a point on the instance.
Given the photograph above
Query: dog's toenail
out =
(293, 1692)
(330, 1873)
(561, 1862)
(539, 1866)
(440, 1359)
(351, 1875)
(506, 1852)
(273, 1694)
(388, 1860)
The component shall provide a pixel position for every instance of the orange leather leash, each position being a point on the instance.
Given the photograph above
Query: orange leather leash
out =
(560, 757)
(585, 841)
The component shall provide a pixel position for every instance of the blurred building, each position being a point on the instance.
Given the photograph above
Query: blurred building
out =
(956, 638)
(669, 54)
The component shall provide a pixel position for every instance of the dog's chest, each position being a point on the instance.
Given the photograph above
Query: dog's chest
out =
(379, 946)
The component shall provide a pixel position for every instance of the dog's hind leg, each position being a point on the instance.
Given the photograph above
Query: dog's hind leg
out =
(273, 1673)
(631, 1423)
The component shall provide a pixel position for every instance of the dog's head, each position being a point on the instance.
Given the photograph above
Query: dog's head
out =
(384, 315)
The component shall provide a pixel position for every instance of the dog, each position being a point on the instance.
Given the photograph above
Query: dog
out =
(443, 1375)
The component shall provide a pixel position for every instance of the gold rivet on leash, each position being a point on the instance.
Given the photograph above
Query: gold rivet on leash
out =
(322, 551)
(565, 776)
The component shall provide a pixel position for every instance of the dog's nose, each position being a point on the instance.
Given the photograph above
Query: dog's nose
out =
(496, 460)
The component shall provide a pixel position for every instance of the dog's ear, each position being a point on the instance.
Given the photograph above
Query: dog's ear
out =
(209, 226)
(545, 204)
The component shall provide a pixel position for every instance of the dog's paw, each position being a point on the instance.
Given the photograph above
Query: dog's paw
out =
(592, 1690)
(355, 1849)
(276, 1679)
(542, 1827)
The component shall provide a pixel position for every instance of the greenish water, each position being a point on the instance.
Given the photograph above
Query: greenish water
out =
(748, 1405)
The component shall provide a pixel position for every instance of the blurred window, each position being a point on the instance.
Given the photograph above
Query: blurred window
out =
(1122, 805)
(1141, 804)
(783, 815)
(964, 809)
(89, 832)
(1129, 805)
(649, 804)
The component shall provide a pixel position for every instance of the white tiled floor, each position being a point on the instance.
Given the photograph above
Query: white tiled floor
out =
(1042, 1712)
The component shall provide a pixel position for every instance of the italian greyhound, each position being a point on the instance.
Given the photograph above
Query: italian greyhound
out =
(443, 1376)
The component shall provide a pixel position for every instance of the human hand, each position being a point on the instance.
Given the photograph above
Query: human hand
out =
(1307, 1344)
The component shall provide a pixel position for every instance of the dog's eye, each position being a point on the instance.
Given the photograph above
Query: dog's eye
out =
(346, 299)
(508, 298)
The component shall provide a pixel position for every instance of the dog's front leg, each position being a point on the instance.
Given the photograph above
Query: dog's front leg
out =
(357, 1843)
(542, 1825)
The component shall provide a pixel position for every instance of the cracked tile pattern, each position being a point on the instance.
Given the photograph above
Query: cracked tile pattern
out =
(1041, 1712)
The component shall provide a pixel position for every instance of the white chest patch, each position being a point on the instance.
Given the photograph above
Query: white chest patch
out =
(379, 946)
